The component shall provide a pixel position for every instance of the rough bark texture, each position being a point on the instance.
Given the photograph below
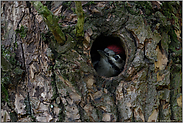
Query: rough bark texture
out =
(44, 81)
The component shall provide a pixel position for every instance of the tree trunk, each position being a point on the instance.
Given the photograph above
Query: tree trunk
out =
(47, 82)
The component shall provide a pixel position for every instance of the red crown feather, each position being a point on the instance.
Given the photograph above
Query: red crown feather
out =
(116, 49)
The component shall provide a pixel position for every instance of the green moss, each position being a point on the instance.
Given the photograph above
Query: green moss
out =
(89, 3)
(48, 4)
(176, 20)
(11, 71)
(18, 71)
(22, 31)
(169, 8)
(165, 42)
(4, 93)
(67, 3)
(131, 9)
(51, 21)
(27, 103)
(174, 41)
(13, 116)
(33, 118)
(171, 43)
(145, 6)
(61, 115)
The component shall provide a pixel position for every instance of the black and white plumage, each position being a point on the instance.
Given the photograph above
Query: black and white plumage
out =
(109, 64)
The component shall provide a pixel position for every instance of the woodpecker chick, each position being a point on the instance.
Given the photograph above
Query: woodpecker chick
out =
(110, 63)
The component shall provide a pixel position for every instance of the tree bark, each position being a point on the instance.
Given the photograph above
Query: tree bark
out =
(49, 82)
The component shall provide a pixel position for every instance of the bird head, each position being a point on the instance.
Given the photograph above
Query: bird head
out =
(111, 55)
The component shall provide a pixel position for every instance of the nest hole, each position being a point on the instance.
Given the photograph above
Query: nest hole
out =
(101, 42)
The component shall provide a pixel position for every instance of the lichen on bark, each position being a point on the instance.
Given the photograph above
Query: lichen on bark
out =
(60, 83)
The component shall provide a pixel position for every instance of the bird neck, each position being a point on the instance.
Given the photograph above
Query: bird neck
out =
(104, 68)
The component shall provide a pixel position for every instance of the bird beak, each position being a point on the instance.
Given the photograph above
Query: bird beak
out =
(102, 53)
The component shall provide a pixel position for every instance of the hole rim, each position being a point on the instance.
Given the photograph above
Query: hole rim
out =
(123, 44)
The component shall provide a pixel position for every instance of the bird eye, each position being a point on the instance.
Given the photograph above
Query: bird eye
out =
(116, 57)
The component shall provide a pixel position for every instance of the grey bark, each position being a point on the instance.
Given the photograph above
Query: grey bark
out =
(59, 83)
